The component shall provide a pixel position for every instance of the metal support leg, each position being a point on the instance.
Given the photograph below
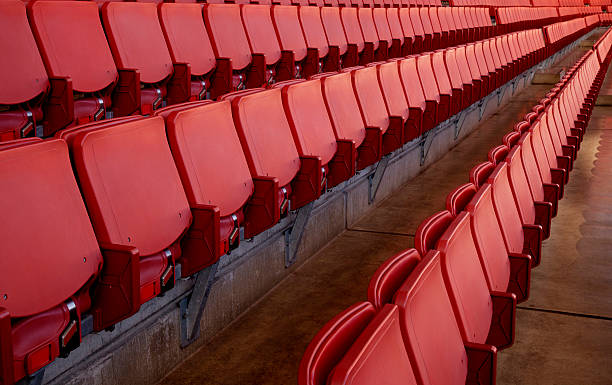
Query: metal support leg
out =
(458, 127)
(293, 236)
(375, 179)
(193, 306)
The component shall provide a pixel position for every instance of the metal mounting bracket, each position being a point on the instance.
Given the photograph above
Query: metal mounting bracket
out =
(458, 126)
(501, 91)
(375, 178)
(293, 235)
(193, 305)
(425, 147)
(482, 106)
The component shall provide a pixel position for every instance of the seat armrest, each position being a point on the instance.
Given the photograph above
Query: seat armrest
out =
(501, 333)
(520, 276)
(7, 375)
(59, 108)
(551, 194)
(221, 80)
(532, 242)
(201, 243)
(482, 364)
(262, 210)
(370, 150)
(343, 165)
(394, 136)
(308, 183)
(179, 85)
(543, 216)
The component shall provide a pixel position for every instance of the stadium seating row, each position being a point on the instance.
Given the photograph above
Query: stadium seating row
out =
(136, 192)
(69, 68)
(439, 313)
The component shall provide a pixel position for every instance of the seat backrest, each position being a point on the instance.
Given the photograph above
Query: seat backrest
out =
(520, 186)
(417, 24)
(435, 20)
(470, 54)
(352, 29)
(428, 79)
(370, 98)
(433, 342)
(506, 209)
(457, 199)
(73, 44)
(479, 174)
(331, 343)
(530, 165)
(48, 247)
(406, 22)
(209, 157)
(260, 32)
(22, 73)
(489, 240)
(186, 35)
(465, 280)
(390, 276)
(136, 39)
(310, 124)
(540, 153)
(227, 34)
(289, 31)
(333, 28)
(454, 74)
(491, 54)
(131, 185)
(410, 80)
(382, 25)
(377, 354)
(447, 23)
(395, 26)
(425, 20)
(343, 108)
(498, 154)
(312, 27)
(390, 84)
(368, 29)
(429, 231)
(462, 64)
(441, 74)
(486, 66)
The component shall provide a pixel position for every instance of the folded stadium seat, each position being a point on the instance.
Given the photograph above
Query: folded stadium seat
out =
(390, 276)
(415, 94)
(493, 61)
(24, 79)
(470, 28)
(497, 154)
(424, 293)
(568, 139)
(295, 56)
(338, 43)
(483, 316)
(520, 238)
(565, 114)
(461, 98)
(399, 43)
(480, 173)
(40, 316)
(189, 43)
(145, 216)
(435, 68)
(358, 52)
(506, 61)
(462, 29)
(486, 70)
(147, 78)
(237, 68)
(328, 58)
(374, 111)
(447, 24)
(343, 109)
(438, 34)
(19, 142)
(480, 76)
(430, 230)
(436, 101)
(531, 211)
(396, 102)
(562, 154)
(218, 211)
(365, 3)
(383, 32)
(313, 132)
(504, 271)
(380, 45)
(484, 19)
(270, 149)
(430, 41)
(540, 191)
(516, 53)
(412, 43)
(359, 345)
(471, 79)
(79, 61)
(69, 134)
(513, 64)
(420, 42)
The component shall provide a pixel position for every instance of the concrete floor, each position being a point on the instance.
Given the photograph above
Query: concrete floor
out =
(564, 332)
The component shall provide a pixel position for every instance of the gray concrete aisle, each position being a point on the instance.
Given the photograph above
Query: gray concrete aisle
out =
(265, 345)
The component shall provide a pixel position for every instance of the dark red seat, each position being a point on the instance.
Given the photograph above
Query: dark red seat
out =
(135, 199)
(147, 79)
(457, 199)
(46, 274)
(22, 75)
(480, 173)
(429, 231)
(188, 43)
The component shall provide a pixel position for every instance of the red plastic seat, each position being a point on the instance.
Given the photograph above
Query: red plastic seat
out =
(380, 46)
(412, 44)
(383, 32)
(79, 61)
(358, 346)
(345, 116)
(374, 111)
(540, 191)
(487, 70)
(461, 98)
(398, 47)
(46, 274)
(471, 82)
(294, 53)
(447, 24)
(438, 105)
(144, 53)
(390, 276)
(430, 41)
(317, 47)
(483, 316)
(271, 151)
(201, 153)
(440, 355)
(519, 237)
(395, 100)
(135, 199)
(22, 75)
(438, 35)
(480, 83)
(420, 43)
(425, 119)
(189, 43)
(448, 97)
(358, 52)
(480, 173)
(457, 199)
(429, 231)
(340, 54)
